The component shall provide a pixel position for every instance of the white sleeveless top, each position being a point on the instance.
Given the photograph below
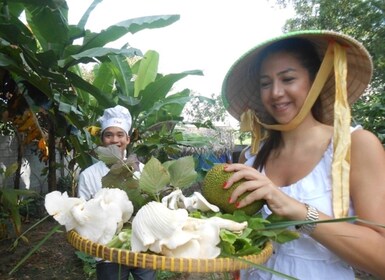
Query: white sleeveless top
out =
(305, 258)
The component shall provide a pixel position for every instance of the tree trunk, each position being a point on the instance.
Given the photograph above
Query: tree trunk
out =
(20, 154)
(51, 156)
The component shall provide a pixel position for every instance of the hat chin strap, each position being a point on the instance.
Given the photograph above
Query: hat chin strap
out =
(335, 55)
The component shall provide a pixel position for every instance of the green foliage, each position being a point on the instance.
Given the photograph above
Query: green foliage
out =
(369, 111)
(179, 174)
(89, 264)
(52, 62)
(205, 110)
(149, 183)
(363, 20)
(10, 200)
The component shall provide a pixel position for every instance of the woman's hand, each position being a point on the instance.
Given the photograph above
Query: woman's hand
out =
(261, 187)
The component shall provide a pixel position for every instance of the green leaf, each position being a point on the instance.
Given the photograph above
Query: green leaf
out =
(110, 154)
(114, 32)
(159, 89)
(154, 177)
(122, 180)
(104, 79)
(100, 96)
(15, 32)
(286, 236)
(11, 169)
(285, 224)
(83, 21)
(147, 72)
(89, 55)
(42, 19)
(9, 200)
(182, 172)
(137, 198)
(123, 74)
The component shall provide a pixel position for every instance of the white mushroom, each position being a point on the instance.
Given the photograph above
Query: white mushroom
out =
(97, 219)
(196, 201)
(172, 233)
(172, 200)
(59, 206)
(155, 225)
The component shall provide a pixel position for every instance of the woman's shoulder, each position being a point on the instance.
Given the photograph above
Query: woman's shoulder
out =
(364, 137)
(366, 145)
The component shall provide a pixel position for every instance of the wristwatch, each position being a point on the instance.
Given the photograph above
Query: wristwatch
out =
(312, 215)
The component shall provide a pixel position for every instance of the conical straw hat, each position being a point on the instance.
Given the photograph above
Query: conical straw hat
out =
(240, 90)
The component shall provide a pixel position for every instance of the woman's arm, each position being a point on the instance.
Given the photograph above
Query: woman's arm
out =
(360, 244)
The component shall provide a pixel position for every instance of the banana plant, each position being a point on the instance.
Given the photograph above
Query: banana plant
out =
(43, 53)
(154, 106)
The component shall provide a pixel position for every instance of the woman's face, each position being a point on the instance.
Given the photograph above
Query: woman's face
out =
(284, 85)
(115, 136)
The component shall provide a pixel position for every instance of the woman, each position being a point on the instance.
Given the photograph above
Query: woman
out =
(305, 160)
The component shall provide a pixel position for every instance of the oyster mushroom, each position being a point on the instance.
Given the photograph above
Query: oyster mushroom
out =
(59, 206)
(156, 225)
(172, 233)
(97, 219)
(196, 201)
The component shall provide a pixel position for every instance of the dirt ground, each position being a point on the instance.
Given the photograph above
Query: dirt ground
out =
(56, 259)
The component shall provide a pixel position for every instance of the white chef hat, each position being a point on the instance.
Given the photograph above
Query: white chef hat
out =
(117, 116)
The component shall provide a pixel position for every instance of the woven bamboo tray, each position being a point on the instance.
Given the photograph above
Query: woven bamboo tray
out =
(158, 262)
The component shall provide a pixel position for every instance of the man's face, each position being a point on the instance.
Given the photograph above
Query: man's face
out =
(115, 136)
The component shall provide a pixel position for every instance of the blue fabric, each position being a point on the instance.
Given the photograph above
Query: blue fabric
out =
(207, 160)
(112, 271)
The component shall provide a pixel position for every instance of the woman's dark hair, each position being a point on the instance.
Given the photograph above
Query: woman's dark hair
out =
(308, 57)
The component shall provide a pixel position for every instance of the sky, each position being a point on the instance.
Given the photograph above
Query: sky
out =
(209, 36)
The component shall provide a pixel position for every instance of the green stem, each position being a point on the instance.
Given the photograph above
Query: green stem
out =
(35, 248)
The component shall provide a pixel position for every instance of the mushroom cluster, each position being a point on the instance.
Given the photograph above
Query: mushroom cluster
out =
(173, 233)
(97, 219)
(161, 227)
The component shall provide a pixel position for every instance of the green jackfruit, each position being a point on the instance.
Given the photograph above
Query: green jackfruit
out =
(214, 192)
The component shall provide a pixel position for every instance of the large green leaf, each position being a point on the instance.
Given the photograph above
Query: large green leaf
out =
(154, 177)
(86, 15)
(159, 89)
(101, 97)
(15, 32)
(182, 172)
(84, 159)
(123, 74)
(169, 108)
(175, 103)
(114, 32)
(110, 154)
(89, 55)
(45, 17)
(83, 96)
(147, 72)
(9, 200)
(11, 65)
(14, 8)
(104, 80)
